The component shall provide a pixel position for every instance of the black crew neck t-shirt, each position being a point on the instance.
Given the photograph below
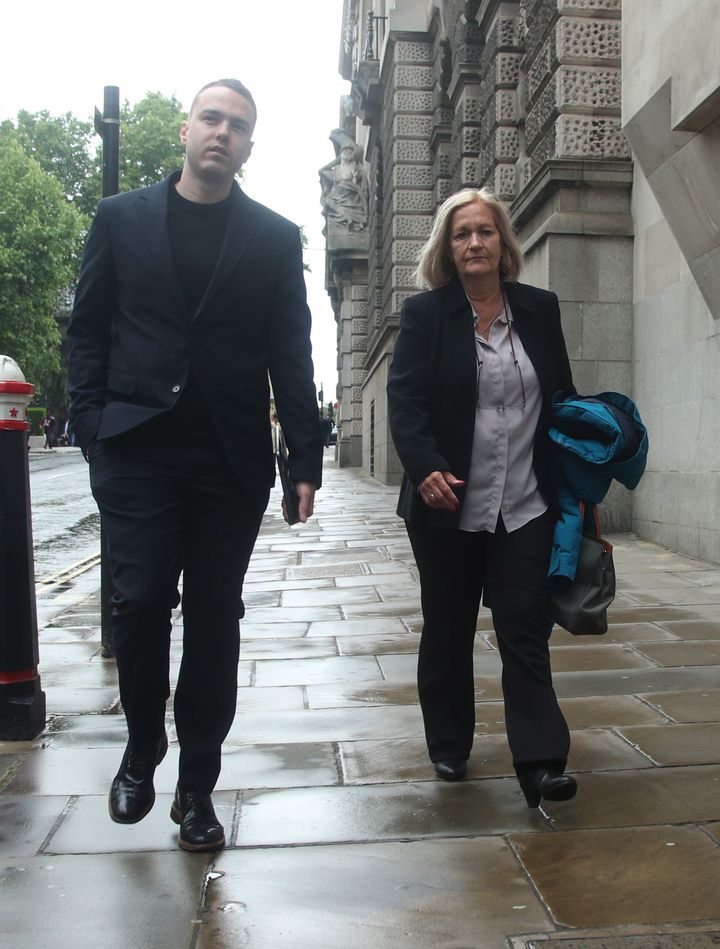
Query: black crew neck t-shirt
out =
(196, 233)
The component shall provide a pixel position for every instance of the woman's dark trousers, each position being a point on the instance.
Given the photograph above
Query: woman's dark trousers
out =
(508, 571)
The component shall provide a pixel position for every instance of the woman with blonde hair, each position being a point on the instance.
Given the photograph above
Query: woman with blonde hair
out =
(477, 361)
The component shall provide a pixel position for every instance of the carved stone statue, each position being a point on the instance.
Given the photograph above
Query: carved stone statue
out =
(344, 185)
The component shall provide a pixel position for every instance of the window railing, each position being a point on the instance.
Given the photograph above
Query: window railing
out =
(374, 36)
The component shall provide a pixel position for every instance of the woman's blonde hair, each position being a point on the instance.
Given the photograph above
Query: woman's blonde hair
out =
(435, 267)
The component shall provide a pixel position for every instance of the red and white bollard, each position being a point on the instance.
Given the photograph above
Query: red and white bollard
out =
(22, 701)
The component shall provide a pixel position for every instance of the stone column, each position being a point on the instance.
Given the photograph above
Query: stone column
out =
(573, 209)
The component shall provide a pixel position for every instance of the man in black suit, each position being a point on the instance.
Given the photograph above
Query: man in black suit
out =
(190, 297)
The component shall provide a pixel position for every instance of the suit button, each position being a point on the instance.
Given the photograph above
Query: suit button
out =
(176, 388)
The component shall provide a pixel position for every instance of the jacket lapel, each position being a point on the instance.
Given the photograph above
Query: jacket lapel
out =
(154, 203)
(530, 328)
(241, 226)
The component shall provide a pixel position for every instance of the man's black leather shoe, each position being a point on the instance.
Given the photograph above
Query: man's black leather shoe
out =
(451, 770)
(199, 827)
(132, 793)
(547, 784)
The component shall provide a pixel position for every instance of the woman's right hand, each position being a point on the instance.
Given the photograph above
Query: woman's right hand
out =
(436, 490)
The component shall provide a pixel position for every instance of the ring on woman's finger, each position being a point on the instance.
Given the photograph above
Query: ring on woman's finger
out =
(432, 495)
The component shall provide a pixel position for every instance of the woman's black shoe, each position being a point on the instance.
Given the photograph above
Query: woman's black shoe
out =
(451, 770)
(547, 784)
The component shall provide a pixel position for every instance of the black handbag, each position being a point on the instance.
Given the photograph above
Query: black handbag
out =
(580, 605)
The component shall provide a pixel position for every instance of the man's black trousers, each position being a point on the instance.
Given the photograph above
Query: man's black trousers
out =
(170, 505)
(508, 571)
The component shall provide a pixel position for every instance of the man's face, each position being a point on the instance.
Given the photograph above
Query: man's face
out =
(217, 134)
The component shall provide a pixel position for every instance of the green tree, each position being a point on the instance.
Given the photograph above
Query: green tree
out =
(64, 147)
(150, 140)
(40, 241)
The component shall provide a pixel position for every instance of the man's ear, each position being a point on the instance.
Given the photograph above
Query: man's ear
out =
(183, 132)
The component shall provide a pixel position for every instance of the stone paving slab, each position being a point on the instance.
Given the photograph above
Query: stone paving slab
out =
(419, 894)
(635, 875)
(111, 901)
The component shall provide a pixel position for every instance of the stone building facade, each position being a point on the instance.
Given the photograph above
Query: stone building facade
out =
(597, 122)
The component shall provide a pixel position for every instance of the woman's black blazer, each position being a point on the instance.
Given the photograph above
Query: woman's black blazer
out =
(433, 376)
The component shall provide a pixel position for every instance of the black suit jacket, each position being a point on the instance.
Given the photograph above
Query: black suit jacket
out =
(433, 376)
(133, 340)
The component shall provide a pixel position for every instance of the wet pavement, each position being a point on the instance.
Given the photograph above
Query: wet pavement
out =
(339, 834)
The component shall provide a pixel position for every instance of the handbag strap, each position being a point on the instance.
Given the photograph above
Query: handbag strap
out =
(594, 513)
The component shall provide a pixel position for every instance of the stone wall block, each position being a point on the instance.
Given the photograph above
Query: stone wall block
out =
(411, 101)
(506, 109)
(542, 113)
(541, 68)
(588, 88)
(504, 184)
(403, 277)
(588, 40)
(412, 225)
(507, 143)
(357, 377)
(507, 69)
(470, 109)
(413, 126)
(595, 7)
(404, 251)
(443, 190)
(413, 77)
(406, 52)
(588, 137)
(412, 201)
(359, 291)
(408, 150)
(359, 327)
(469, 172)
(413, 176)
(470, 140)
(359, 308)
(508, 31)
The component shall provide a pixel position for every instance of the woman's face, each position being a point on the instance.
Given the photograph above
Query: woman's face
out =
(475, 243)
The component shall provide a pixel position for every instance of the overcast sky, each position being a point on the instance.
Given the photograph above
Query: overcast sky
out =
(59, 54)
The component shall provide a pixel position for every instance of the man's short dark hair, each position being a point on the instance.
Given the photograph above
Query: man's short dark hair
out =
(233, 84)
